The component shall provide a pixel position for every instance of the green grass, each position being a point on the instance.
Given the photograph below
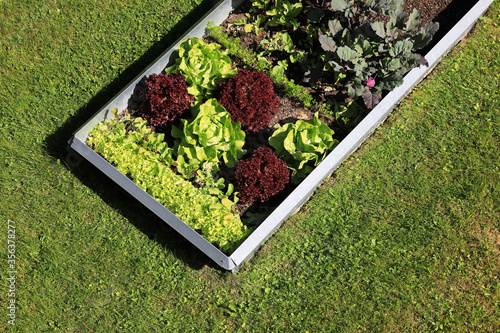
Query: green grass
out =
(404, 236)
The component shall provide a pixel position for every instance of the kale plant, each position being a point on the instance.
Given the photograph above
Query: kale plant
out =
(374, 56)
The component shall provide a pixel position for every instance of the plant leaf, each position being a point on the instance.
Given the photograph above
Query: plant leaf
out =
(346, 53)
(421, 59)
(397, 14)
(390, 65)
(340, 5)
(391, 81)
(371, 99)
(425, 35)
(355, 88)
(335, 26)
(327, 43)
(413, 20)
(379, 29)
(401, 46)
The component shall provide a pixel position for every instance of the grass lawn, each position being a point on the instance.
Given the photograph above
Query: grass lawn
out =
(404, 237)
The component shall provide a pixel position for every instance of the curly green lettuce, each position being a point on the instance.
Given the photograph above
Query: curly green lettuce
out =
(143, 156)
(202, 65)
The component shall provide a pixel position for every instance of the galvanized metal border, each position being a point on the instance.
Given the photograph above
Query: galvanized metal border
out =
(217, 15)
(356, 137)
(304, 190)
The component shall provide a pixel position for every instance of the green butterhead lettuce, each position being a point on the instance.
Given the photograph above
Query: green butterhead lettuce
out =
(210, 137)
(303, 145)
(202, 65)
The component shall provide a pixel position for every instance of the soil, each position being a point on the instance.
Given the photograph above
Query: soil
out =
(446, 12)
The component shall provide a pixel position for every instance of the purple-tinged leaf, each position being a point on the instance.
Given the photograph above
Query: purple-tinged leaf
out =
(371, 99)
(379, 29)
(421, 59)
(334, 26)
(392, 31)
(413, 21)
(327, 43)
(425, 35)
(398, 15)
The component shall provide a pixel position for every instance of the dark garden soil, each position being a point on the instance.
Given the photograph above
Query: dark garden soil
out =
(446, 12)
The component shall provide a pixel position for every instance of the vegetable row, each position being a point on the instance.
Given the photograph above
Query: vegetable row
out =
(188, 136)
(190, 123)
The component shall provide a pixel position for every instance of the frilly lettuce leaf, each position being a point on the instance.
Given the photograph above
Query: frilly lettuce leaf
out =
(303, 145)
(210, 137)
(202, 65)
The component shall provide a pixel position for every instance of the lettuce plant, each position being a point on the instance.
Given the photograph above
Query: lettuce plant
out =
(281, 42)
(164, 98)
(252, 59)
(202, 65)
(210, 137)
(280, 12)
(261, 177)
(208, 177)
(140, 154)
(250, 99)
(374, 56)
(303, 145)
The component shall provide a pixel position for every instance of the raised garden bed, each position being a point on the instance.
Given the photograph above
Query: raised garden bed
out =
(203, 229)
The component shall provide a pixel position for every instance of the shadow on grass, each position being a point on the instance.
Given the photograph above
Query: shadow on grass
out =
(126, 205)
(110, 192)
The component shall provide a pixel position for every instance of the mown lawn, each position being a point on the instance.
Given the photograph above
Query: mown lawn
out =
(403, 237)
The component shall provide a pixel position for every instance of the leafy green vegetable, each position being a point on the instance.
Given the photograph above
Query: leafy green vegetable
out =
(142, 155)
(202, 65)
(254, 61)
(208, 178)
(281, 42)
(284, 13)
(210, 137)
(303, 145)
(374, 56)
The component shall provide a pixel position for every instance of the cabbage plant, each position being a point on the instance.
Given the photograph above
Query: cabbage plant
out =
(374, 56)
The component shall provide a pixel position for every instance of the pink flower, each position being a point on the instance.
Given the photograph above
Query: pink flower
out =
(370, 82)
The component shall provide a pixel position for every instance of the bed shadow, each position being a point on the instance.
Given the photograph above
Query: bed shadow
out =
(117, 198)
